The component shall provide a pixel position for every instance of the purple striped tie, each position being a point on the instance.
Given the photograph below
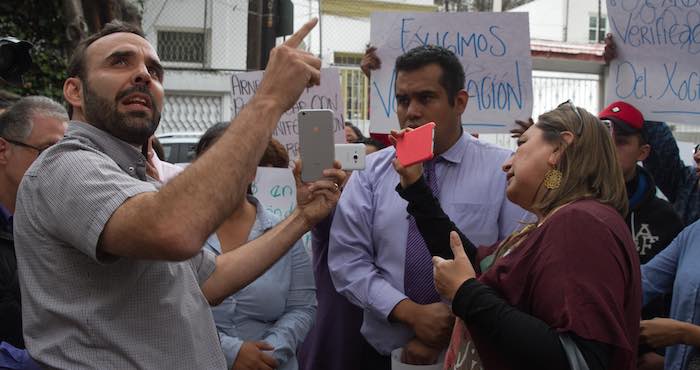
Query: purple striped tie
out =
(418, 273)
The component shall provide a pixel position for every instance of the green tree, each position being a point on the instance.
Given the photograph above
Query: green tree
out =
(48, 24)
(41, 23)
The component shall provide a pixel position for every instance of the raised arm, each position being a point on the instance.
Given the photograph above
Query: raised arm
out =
(239, 267)
(433, 223)
(664, 162)
(187, 210)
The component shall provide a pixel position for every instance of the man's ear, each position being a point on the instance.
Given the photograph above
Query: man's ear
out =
(461, 100)
(73, 92)
(644, 151)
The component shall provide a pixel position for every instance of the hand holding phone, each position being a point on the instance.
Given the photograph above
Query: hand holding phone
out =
(416, 145)
(316, 146)
(351, 156)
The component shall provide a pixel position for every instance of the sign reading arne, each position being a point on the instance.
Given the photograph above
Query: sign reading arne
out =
(325, 96)
(657, 68)
(494, 49)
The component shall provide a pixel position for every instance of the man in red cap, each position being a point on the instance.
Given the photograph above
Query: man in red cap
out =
(652, 220)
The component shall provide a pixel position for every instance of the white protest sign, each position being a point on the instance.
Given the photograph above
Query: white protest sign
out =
(494, 49)
(325, 96)
(657, 68)
(277, 193)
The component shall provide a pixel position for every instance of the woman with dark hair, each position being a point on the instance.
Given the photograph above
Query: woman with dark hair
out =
(261, 326)
(353, 133)
(561, 293)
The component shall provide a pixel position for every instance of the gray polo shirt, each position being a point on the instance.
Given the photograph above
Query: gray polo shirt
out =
(81, 311)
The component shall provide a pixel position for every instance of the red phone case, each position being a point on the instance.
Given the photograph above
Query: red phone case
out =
(416, 146)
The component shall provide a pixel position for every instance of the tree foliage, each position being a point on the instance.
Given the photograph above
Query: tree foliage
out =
(45, 24)
(41, 23)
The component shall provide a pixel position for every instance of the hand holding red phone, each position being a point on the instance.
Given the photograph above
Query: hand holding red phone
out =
(412, 148)
(415, 145)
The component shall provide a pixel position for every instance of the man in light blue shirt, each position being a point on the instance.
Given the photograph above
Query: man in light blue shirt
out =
(675, 270)
(370, 232)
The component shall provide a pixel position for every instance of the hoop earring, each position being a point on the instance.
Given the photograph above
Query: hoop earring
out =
(552, 179)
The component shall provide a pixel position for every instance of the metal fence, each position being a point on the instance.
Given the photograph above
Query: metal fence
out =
(210, 37)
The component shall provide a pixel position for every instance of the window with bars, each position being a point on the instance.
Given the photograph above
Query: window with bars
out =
(180, 46)
(593, 25)
(355, 85)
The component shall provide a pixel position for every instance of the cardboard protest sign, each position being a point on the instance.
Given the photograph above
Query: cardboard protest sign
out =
(494, 49)
(325, 96)
(657, 68)
(276, 191)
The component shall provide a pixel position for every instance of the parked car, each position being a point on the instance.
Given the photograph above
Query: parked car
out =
(179, 146)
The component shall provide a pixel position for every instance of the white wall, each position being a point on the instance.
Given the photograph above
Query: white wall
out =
(579, 12)
(548, 19)
(340, 34)
(343, 34)
(226, 23)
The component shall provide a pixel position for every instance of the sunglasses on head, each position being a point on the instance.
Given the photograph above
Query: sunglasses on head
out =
(607, 123)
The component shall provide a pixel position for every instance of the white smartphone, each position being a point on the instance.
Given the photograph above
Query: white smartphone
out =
(315, 142)
(351, 156)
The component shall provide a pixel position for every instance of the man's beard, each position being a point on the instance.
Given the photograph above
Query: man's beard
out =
(132, 127)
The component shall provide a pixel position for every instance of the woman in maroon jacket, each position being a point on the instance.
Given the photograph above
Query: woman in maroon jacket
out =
(563, 292)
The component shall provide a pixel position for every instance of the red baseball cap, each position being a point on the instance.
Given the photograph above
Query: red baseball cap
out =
(626, 117)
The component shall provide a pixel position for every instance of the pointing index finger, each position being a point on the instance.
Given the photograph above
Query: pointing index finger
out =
(294, 40)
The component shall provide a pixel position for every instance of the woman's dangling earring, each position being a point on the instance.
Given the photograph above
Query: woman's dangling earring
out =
(552, 179)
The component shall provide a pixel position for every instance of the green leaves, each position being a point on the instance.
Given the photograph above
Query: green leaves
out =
(42, 24)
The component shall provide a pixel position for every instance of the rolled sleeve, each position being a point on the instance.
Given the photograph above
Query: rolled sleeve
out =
(350, 254)
(203, 265)
(83, 189)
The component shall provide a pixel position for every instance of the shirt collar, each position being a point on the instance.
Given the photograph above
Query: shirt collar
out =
(127, 157)
(456, 151)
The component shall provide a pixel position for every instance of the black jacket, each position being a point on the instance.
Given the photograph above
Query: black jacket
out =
(10, 309)
(654, 224)
(652, 221)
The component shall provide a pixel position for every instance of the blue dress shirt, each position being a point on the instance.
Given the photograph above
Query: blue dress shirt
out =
(277, 308)
(367, 247)
(675, 269)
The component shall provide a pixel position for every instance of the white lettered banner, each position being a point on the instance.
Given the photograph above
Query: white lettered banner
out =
(657, 68)
(276, 190)
(494, 49)
(325, 96)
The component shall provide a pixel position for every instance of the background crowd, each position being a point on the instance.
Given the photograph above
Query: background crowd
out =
(557, 256)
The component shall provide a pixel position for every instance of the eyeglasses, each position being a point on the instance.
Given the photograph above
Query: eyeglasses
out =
(19, 143)
(579, 131)
(696, 149)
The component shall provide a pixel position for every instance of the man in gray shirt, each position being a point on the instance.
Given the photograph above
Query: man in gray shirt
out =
(111, 267)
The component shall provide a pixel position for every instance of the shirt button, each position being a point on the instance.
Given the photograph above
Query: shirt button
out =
(131, 169)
